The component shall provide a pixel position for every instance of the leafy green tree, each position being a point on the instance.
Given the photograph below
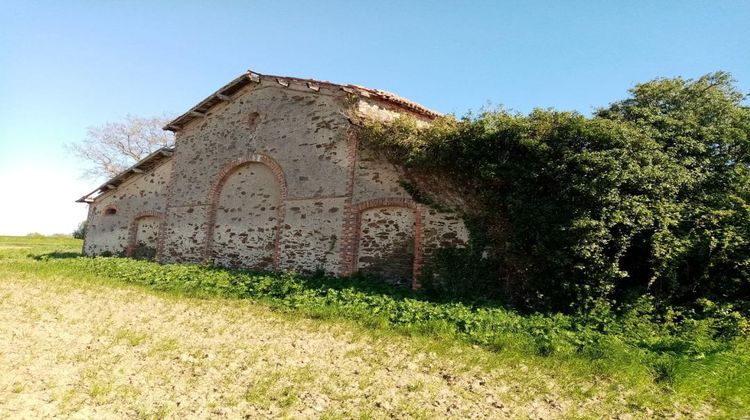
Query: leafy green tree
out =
(703, 249)
(649, 196)
(80, 231)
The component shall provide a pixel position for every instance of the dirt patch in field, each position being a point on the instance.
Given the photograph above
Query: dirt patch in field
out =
(99, 351)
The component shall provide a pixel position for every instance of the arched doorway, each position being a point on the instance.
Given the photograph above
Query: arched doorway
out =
(246, 211)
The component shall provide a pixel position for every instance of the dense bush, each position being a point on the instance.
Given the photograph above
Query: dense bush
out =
(80, 231)
(649, 197)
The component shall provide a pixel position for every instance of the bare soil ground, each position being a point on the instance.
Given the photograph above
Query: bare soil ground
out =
(98, 351)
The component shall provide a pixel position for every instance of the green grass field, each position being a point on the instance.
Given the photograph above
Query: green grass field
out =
(109, 336)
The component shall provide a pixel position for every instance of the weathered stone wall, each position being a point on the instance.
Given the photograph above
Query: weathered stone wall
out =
(275, 179)
(380, 184)
(311, 236)
(375, 177)
(146, 241)
(246, 224)
(442, 230)
(113, 217)
(386, 243)
(298, 135)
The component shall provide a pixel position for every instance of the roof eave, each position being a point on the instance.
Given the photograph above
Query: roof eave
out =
(117, 180)
(223, 94)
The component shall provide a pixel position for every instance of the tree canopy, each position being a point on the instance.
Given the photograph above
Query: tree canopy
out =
(649, 196)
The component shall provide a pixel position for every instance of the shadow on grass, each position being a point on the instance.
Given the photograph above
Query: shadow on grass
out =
(377, 286)
(55, 256)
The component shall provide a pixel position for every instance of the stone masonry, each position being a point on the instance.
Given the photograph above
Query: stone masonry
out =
(268, 174)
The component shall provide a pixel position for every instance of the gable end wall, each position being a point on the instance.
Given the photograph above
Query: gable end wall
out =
(275, 178)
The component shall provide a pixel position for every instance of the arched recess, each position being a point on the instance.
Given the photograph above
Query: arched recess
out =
(110, 210)
(143, 235)
(107, 219)
(387, 239)
(246, 212)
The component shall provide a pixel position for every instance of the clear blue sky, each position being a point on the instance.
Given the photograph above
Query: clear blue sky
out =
(68, 65)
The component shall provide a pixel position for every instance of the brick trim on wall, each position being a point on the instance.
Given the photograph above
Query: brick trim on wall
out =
(349, 217)
(350, 248)
(133, 230)
(215, 192)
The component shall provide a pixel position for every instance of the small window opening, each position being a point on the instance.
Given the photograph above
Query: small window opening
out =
(252, 120)
(110, 211)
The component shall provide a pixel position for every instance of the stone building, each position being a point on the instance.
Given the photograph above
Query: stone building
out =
(267, 173)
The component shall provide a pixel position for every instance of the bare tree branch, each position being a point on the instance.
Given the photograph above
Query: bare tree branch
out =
(114, 146)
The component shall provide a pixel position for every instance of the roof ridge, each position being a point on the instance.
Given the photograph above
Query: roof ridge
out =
(251, 76)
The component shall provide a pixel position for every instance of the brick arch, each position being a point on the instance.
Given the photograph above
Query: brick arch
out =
(215, 192)
(133, 230)
(351, 249)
